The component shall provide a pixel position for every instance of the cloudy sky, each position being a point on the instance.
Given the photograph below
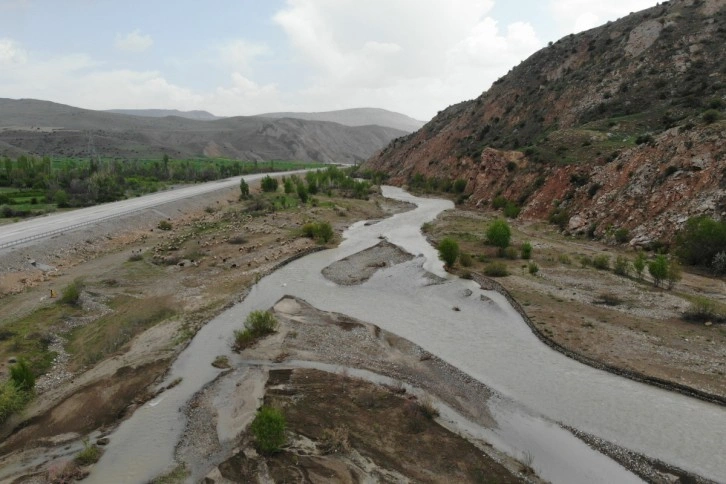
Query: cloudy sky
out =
(243, 57)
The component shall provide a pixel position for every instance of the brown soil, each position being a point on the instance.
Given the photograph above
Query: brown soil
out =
(642, 331)
(360, 422)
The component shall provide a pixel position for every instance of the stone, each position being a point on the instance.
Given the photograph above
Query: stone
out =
(708, 323)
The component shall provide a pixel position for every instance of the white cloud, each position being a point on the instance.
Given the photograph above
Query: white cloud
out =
(573, 16)
(239, 53)
(133, 42)
(11, 52)
(415, 56)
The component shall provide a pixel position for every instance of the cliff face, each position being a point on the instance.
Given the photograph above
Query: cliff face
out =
(617, 127)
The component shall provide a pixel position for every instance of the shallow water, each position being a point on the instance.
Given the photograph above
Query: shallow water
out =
(486, 339)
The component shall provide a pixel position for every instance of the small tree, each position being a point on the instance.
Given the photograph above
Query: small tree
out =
(244, 190)
(269, 184)
(526, 250)
(499, 234)
(289, 186)
(674, 274)
(268, 428)
(658, 269)
(302, 193)
(448, 251)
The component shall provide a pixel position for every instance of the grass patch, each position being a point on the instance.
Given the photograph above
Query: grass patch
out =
(703, 310)
(175, 476)
(91, 343)
(89, 455)
(496, 269)
(12, 399)
(71, 294)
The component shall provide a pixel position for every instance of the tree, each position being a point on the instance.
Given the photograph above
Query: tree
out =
(639, 264)
(499, 234)
(269, 184)
(658, 269)
(674, 274)
(448, 251)
(302, 193)
(244, 190)
(700, 240)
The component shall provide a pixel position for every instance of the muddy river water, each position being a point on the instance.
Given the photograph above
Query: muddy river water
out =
(487, 339)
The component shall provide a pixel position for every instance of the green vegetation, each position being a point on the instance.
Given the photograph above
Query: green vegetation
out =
(268, 429)
(701, 240)
(448, 251)
(269, 184)
(499, 234)
(12, 400)
(532, 268)
(244, 190)
(71, 294)
(496, 269)
(89, 455)
(526, 250)
(703, 310)
(621, 266)
(466, 260)
(257, 325)
(164, 225)
(39, 185)
(322, 232)
(658, 269)
(176, 476)
(22, 376)
(639, 265)
(601, 262)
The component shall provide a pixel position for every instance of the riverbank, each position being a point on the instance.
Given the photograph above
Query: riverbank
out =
(622, 324)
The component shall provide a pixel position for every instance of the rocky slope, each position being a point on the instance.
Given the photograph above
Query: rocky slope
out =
(620, 126)
(46, 128)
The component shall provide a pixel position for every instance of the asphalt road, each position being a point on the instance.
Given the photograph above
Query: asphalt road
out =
(29, 231)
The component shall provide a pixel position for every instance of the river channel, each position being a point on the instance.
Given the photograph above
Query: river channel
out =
(486, 339)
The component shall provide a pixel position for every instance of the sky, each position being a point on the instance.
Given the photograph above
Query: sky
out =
(245, 57)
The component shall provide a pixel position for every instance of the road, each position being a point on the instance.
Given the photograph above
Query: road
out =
(29, 231)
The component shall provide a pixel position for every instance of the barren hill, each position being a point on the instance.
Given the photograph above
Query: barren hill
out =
(358, 117)
(161, 113)
(620, 126)
(46, 128)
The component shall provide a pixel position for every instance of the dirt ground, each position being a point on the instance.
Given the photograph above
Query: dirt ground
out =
(621, 321)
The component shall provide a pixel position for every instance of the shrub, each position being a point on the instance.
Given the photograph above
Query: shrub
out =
(622, 235)
(268, 429)
(673, 274)
(509, 253)
(448, 251)
(496, 269)
(499, 234)
(609, 299)
(511, 210)
(564, 259)
(701, 310)
(136, 256)
(269, 184)
(658, 269)
(499, 202)
(532, 267)
(585, 261)
(560, 217)
(257, 325)
(244, 190)
(526, 250)
(601, 262)
(164, 225)
(237, 239)
(465, 259)
(12, 399)
(22, 376)
(320, 231)
(700, 240)
(710, 116)
(459, 186)
(89, 455)
(71, 294)
(621, 266)
(289, 186)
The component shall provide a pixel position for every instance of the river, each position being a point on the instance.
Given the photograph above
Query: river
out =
(487, 339)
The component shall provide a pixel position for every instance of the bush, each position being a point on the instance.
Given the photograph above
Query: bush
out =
(89, 455)
(257, 325)
(526, 250)
(302, 193)
(466, 260)
(268, 429)
(601, 262)
(164, 225)
(711, 116)
(448, 251)
(560, 217)
(22, 376)
(702, 310)
(622, 235)
(12, 400)
(244, 190)
(608, 299)
(700, 240)
(499, 202)
(320, 231)
(496, 269)
(71, 294)
(511, 210)
(658, 269)
(289, 186)
(639, 265)
(673, 274)
(499, 234)
(621, 266)
(533, 268)
(459, 186)
(269, 184)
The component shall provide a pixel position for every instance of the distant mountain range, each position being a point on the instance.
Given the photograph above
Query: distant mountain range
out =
(29, 126)
(357, 117)
(162, 113)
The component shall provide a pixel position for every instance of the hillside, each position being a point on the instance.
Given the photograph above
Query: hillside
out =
(357, 117)
(620, 126)
(46, 128)
(162, 113)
